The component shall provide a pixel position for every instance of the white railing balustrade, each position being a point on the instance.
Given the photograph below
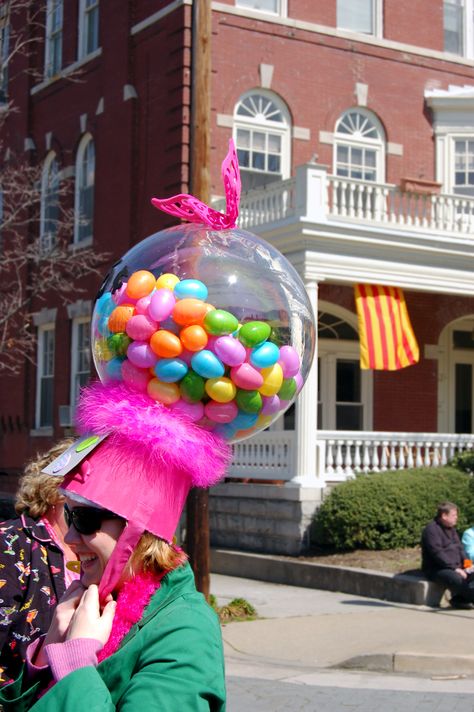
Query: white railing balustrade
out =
(344, 454)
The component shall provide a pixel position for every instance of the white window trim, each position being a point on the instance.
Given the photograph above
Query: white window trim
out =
(468, 32)
(42, 328)
(74, 355)
(282, 10)
(285, 132)
(447, 359)
(82, 54)
(379, 145)
(377, 22)
(86, 139)
(48, 43)
(50, 158)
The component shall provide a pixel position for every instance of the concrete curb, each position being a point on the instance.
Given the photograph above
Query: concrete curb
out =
(412, 663)
(399, 588)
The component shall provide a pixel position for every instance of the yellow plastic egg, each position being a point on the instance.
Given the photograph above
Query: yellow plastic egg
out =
(272, 380)
(222, 389)
(167, 281)
(165, 393)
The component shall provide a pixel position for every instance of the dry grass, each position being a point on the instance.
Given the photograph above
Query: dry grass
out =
(393, 561)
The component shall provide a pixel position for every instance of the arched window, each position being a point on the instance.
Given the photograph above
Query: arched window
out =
(262, 138)
(49, 215)
(359, 146)
(84, 195)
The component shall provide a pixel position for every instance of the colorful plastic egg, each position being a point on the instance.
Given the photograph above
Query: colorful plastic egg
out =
(222, 389)
(288, 389)
(289, 361)
(192, 387)
(189, 311)
(193, 411)
(103, 326)
(119, 343)
(165, 393)
(265, 355)
(114, 369)
(219, 322)
(105, 304)
(245, 420)
(246, 376)
(103, 352)
(135, 377)
(190, 288)
(119, 317)
(254, 333)
(221, 412)
(272, 380)
(207, 365)
(229, 350)
(170, 370)
(271, 405)
(299, 382)
(161, 304)
(166, 344)
(140, 284)
(140, 327)
(141, 354)
(167, 281)
(142, 304)
(193, 338)
(249, 401)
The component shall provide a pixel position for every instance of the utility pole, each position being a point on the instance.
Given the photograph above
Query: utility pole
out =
(197, 511)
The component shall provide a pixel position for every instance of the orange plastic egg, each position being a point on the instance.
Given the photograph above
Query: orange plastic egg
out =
(166, 393)
(166, 344)
(140, 284)
(193, 338)
(190, 311)
(119, 317)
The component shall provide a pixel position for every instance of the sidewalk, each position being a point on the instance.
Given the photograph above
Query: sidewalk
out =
(312, 629)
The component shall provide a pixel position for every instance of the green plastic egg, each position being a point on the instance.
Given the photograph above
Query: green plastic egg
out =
(254, 333)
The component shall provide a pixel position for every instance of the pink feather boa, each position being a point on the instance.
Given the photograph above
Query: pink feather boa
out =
(132, 600)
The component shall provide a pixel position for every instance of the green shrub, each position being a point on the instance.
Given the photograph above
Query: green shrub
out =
(388, 510)
(464, 461)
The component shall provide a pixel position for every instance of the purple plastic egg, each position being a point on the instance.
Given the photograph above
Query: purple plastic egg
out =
(229, 350)
(140, 354)
(271, 405)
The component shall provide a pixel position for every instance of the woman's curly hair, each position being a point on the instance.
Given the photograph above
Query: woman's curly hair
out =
(38, 492)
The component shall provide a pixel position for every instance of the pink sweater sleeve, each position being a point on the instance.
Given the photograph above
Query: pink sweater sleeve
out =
(31, 651)
(66, 657)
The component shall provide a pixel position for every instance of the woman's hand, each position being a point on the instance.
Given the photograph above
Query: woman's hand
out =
(88, 621)
(61, 619)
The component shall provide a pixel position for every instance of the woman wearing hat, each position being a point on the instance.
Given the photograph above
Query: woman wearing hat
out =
(133, 633)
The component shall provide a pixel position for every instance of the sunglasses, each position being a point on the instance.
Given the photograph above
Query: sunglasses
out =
(87, 520)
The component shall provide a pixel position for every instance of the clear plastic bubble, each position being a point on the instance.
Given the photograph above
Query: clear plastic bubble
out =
(247, 280)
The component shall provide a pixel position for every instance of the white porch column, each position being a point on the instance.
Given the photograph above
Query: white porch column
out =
(306, 455)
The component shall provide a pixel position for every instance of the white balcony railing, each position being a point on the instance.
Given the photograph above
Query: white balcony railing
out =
(343, 454)
(354, 200)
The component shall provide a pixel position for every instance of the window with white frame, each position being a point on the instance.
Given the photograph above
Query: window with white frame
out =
(462, 180)
(262, 139)
(54, 38)
(84, 191)
(4, 51)
(88, 27)
(80, 356)
(359, 146)
(45, 376)
(49, 216)
(459, 27)
(363, 16)
(276, 7)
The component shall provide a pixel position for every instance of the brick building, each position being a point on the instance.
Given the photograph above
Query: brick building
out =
(354, 124)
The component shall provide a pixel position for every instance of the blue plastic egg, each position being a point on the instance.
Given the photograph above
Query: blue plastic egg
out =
(191, 288)
(265, 355)
(170, 370)
(207, 365)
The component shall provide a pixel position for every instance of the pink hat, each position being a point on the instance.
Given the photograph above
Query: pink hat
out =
(141, 469)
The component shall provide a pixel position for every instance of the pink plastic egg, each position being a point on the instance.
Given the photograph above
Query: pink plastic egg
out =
(221, 412)
(246, 376)
(140, 327)
(161, 304)
(193, 411)
(135, 377)
(141, 307)
(289, 361)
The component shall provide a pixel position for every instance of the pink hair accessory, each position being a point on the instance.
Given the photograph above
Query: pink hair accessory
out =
(192, 209)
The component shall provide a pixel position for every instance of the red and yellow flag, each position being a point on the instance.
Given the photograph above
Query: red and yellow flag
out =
(387, 341)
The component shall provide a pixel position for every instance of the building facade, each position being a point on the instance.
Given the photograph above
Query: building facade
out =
(354, 125)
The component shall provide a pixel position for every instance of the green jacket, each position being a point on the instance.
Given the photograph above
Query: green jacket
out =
(170, 661)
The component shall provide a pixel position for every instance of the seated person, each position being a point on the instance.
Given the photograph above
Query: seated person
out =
(468, 542)
(32, 562)
(443, 556)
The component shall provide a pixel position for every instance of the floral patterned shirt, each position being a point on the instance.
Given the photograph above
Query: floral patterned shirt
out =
(31, 583)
